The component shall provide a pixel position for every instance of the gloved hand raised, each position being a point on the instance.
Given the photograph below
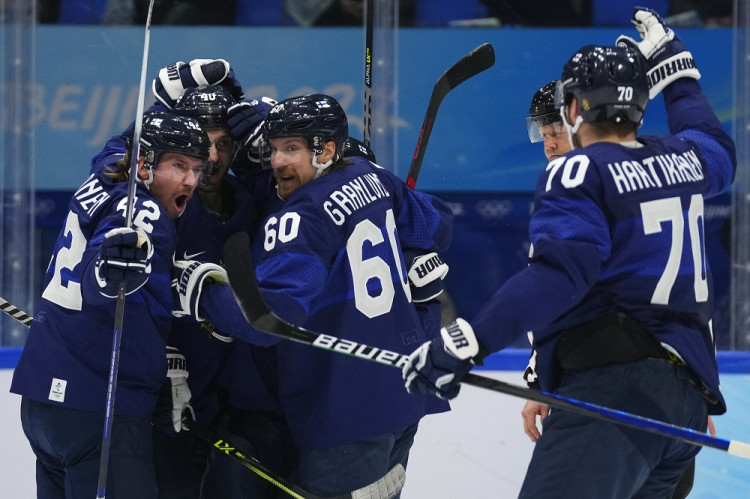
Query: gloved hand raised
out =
(438, 366)
(173, 405)
(188, 279)
(198, 73)
(245, 121)
(125, 256)
(665, 54)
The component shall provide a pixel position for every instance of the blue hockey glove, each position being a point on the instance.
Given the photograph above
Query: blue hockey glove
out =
(125, 256)
(198, 73)
(665, 54)
(173, 405)
(426, 276)
(438, 366)
(245, 121)
(188, 279)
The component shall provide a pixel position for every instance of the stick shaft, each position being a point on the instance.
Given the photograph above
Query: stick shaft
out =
(16, 313)
(476, 61)
(276, 327)
(120, 304)
(369, 27)
(245, 287)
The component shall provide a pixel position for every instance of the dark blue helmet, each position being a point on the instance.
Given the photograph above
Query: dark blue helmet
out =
(354, 147)
(609, 82)
(207, 105)
(166, 132)
(317, 118)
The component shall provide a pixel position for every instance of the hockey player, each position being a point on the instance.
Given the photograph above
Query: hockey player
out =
(254, 421)
(618, 290)
(203, 89)
(331, 260)
(63, 371)
(544, 124)
(198, 351)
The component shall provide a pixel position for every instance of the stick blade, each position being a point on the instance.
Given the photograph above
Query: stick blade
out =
(476, 61)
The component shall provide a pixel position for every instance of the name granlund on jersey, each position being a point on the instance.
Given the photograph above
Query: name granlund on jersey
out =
(355, 194)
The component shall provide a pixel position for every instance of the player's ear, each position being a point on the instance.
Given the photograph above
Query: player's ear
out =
(142, 171)
(571, 110)
(329, 149)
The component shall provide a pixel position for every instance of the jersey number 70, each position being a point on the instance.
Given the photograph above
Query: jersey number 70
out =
(653, 214)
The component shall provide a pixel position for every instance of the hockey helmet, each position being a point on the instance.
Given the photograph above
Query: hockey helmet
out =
(166, 132)
(542, 112)
(354, 147)
(317, 118)
(609, 83)
(208, 105)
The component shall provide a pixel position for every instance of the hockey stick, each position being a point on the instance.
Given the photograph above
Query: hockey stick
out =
(385, 488)
(369, 21)
(239, 267)
(476, 61)
(120, 303)
(16, 313)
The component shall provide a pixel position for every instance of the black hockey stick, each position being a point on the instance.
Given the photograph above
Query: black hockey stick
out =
(109, 411)
(385, 488)
(239, 267)
(369, 21)
(476, 61)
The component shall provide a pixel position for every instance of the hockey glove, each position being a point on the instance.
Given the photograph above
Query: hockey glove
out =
(438, 366)
(199, 73)
(188, 279)
(125, 256)
(665, 54)
(173, 406)
(426, 276)
(245, 121)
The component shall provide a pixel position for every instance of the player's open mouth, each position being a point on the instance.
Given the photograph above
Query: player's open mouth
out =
(181, 201)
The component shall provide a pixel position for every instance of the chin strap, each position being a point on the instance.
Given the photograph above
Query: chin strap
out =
(319, 167)
(572, 129)
(149, 180)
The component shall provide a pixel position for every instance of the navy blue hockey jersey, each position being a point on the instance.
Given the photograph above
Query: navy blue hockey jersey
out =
(67, 354)
(331, 261)
(619, 228)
